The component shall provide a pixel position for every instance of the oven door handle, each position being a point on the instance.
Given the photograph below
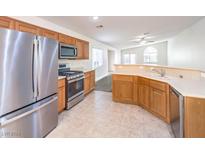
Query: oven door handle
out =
(71, 81)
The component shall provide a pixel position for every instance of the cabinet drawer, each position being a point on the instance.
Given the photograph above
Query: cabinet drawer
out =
(61, 83)
(143, 81)
(158, 85)
(122, 77)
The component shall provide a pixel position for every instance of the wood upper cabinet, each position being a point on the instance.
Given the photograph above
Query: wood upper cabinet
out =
(49, 33)
(122, 88)
(6, 22)
(61, 95)
(66, 39)
(24, 27)
(80, 48)
(143, 92)
(86, 50)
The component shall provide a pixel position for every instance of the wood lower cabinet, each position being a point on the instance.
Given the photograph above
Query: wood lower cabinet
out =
(92, 80)
(144, 95)
(158, 102)
(143, 92)
(6, 22)
(194, 117)
(61, 95)
(135, 91)
(150, 94)
(122, 88)
(89, 82)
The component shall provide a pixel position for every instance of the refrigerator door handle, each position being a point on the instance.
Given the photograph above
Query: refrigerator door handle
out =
(33, 86)
(8, 121)
(38, 61)
(35, 80)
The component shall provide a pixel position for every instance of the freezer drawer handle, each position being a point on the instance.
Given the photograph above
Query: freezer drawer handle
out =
(6, 122)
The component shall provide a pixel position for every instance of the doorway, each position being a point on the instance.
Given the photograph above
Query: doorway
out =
(111, 59)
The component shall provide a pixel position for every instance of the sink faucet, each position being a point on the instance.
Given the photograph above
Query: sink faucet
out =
(161, 71)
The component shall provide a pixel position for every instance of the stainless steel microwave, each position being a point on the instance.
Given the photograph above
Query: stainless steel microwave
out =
(67, 51)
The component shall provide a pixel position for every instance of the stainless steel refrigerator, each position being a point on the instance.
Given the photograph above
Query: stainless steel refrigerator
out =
(28, 84)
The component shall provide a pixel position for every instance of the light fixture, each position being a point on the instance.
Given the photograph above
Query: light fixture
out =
(95, 17)
(143, 39)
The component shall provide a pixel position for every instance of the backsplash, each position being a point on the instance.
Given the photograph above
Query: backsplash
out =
(84, 64)
(175, 72)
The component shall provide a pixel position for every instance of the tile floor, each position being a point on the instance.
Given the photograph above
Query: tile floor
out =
(98, 116)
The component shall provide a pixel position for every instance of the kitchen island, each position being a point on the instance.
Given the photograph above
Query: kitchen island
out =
(153, 92)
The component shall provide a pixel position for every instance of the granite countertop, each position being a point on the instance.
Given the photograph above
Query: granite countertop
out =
(187, 87)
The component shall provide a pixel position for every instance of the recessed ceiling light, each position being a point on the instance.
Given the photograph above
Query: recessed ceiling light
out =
(95, 17)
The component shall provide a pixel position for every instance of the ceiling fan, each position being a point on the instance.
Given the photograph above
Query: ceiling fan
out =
(143, 39)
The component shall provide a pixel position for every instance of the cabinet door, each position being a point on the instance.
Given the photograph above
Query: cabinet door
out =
(143, 95)
(6, 22)
(158, 103)
(66, 39)
(135, 94)
(80, 46)
(124, 91)
(61, 95)
(49, 34)
(62, 38)
(86, 50)
(135, 91)
(92, 80)
(86, 84)
(24, 27)
(61, 99)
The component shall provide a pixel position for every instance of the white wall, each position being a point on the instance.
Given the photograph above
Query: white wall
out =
(100, 72)
(162, 52)
(187, 49)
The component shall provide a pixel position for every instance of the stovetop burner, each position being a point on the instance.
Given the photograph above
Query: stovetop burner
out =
(70, 74)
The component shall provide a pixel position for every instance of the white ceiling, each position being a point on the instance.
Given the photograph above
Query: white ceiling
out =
(119, 30)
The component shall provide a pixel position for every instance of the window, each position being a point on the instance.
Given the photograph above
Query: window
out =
(128, 58)
(97, 57)
(150, 55)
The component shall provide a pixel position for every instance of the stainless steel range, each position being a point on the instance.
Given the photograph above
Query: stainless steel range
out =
(75, 85)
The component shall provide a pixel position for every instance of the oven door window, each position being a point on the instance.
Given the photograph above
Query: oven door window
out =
(68, 51)
(74, 88)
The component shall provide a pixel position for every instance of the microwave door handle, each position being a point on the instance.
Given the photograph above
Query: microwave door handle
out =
(76, 53)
